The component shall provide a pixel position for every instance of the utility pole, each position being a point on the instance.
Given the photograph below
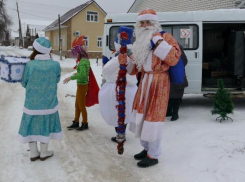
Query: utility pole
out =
(60, 40)
(20, 30)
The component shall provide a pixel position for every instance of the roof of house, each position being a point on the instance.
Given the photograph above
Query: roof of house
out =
(194, 5)
(70, 14)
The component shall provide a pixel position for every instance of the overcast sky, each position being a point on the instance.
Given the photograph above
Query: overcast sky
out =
(48, 10)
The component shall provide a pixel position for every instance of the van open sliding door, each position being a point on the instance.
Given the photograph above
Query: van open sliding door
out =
(189, 35)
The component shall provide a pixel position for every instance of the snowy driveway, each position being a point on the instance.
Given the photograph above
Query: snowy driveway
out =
(195, 148)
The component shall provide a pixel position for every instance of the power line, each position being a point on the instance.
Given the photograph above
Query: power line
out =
(39, 12)
(44, 4)
(31, 14)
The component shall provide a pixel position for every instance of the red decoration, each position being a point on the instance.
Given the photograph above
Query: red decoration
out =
(120, 92)
(78, 41)
(93, 90)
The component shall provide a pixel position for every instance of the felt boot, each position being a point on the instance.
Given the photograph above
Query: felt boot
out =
(34, 153)
(44, 152)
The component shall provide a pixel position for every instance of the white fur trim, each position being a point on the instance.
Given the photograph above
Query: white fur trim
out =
(162, 50)
(40, 138)
(145, 130)
(147, 17)
(152, 131)
(136, 123)
(40, 48)
(118, 46)
(41, 112)
(157, 38)
(42, 57)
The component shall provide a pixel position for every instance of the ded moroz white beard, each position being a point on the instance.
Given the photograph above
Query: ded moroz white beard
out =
(142, 44)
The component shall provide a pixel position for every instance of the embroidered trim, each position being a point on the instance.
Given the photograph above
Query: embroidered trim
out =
(41, 112)
(40, 138)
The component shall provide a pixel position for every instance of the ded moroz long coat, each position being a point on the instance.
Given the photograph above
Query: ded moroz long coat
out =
(151, 100)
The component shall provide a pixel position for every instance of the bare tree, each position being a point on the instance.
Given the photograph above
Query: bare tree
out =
(5, 23)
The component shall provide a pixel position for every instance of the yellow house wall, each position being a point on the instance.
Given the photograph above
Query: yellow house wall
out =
(54, 38)
(92, 30)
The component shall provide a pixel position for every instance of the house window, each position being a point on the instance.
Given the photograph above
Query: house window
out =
(64, 40)
(92, 16)
(86, 41)
(99, 42)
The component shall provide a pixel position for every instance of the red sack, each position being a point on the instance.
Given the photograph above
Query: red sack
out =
(92, 96)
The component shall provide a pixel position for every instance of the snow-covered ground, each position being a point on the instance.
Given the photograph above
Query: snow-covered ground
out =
(195, 148)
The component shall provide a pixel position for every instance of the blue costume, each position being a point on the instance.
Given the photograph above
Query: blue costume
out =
(40, 121)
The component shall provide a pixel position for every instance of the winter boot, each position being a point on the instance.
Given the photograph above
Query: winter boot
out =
(141, 155)
(114, 139)
(176, 104)
(147, 162)
(175, 117)
(44, 151)
(170, 108)
(83, 127)
(34, 153)
(169, 112)
(74, 125)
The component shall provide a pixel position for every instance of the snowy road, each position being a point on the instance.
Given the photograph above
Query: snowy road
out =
(195, 148)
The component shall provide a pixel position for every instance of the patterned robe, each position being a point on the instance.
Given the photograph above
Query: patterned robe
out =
(40, 120)
(151, 100)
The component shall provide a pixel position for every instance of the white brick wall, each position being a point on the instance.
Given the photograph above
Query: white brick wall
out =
(183, 5)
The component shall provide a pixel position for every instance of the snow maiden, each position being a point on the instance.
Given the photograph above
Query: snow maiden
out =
(40, 121)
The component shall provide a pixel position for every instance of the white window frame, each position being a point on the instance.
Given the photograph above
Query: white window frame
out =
(99, 42)
(86, 38)
(92, 15)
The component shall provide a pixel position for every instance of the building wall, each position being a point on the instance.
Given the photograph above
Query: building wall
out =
(79, 22)
(92, 30)
(54, 38)
(183, 5)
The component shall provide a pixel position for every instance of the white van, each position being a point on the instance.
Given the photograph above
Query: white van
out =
(213, 42)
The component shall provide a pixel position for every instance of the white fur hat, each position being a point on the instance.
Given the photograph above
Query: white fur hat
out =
(42, 45)
(148, 14)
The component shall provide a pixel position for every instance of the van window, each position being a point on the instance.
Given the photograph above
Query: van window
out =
(167, 29)
(186, 35)
(113, 34)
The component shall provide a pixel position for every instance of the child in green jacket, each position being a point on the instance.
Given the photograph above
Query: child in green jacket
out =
(82, 87)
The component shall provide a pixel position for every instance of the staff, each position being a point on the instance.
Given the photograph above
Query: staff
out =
(121, 88)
